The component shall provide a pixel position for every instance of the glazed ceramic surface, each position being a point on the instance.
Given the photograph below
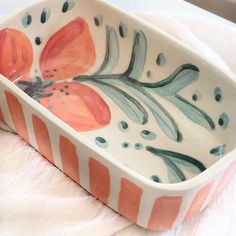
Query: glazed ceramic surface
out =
(137, 119)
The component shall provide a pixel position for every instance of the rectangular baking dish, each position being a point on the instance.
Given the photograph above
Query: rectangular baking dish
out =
(139, 120)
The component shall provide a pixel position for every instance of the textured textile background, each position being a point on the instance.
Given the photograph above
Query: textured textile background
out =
(37, 199)
(224, 8)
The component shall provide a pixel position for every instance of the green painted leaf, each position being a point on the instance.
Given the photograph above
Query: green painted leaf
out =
(168, 126)
(112, 52)
(189, 167)
(128, 104)
(195, 114)
(218, 151)
(165, 121)
(175, 175)
(178, 158)
(138, 57)
(182, 77)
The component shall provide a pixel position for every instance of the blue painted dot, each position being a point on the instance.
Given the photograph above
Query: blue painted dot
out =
(156, 178)
(98, 20)
(68, 6)
(223, 120)
(123, 126)
(149, 74)
(218, 94)
(196, 96)
(139, 146)
(123, 30)
(125, 145)
(148, 135)
(218, 151)
(45, 15)
(161, 60)
(101, 142)
(26, 20)
(38, 41)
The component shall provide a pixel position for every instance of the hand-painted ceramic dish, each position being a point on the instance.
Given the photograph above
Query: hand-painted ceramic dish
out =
(136, 118)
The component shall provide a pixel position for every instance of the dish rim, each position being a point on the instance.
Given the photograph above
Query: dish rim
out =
(202, 178)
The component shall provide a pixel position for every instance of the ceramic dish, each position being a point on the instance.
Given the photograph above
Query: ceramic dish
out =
(136, 118)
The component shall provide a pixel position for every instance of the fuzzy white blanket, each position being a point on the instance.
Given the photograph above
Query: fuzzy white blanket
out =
(37, 199)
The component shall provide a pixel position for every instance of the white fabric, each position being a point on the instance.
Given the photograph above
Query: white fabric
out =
(37, 199)
(209, 38)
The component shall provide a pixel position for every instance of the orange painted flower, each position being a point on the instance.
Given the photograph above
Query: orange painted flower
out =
(77, 104)
(68, 53)
(16, 55)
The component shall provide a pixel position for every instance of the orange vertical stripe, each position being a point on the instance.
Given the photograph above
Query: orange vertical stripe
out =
(164, 213)
(17, 115)
(69, 158)
(1, 115)
(99, 180)
(42, 138)
(198, 202)
(129, 200)
(224, 179)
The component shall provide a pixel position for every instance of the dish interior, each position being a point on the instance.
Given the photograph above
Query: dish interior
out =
(135, 94)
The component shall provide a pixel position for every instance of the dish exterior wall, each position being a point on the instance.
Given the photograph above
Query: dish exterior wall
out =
(148, 206)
